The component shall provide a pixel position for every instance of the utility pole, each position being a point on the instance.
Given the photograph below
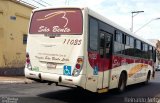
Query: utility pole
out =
(136, 13)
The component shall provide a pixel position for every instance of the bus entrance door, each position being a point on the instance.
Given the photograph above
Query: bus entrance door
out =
(104, 60)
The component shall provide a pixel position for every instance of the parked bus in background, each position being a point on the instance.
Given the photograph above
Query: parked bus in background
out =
(77, 47)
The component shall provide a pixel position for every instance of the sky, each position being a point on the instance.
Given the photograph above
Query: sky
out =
(119, 11)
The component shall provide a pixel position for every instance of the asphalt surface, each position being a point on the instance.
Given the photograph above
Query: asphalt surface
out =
(43, 93)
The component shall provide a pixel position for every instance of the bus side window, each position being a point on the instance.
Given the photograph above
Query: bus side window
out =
(93, 34)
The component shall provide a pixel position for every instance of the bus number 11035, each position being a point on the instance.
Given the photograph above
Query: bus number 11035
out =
(72, 41)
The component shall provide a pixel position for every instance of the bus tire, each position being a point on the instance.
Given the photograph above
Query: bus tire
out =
(122, 82)
(148, 78)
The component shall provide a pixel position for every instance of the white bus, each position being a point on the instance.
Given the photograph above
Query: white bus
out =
(77, 47)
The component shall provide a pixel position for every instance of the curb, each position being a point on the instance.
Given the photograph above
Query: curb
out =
(13, 82)
(16, 82)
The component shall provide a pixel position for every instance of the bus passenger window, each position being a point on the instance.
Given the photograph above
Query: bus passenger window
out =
(93, 34)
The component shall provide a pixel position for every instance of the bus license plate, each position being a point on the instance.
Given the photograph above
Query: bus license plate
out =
(51, 65)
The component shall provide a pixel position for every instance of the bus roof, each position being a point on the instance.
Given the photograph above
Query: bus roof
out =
(102, 18)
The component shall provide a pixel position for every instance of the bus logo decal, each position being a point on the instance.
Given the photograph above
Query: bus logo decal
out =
(136, 69)
(67, 70)
(56, 28)
(53, 14)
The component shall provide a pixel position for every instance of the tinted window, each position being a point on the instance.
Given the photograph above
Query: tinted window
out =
(145, 47)
(145, 53)
(93, 34)
(127, 40)
(131, 42)
(118, 37)
(138, 44)
(129, 47)
(118, 44)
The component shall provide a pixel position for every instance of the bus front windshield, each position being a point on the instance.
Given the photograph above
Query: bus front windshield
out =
(57, 21)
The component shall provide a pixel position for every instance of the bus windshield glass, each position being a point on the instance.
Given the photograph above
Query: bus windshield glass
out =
(57, 21)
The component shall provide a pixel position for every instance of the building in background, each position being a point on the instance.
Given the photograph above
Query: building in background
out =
(14, 21)
(158, 51)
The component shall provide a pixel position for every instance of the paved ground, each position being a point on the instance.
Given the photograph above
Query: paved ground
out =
(14, 79)
(42, 93)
